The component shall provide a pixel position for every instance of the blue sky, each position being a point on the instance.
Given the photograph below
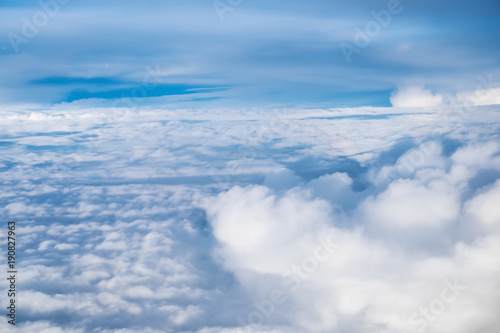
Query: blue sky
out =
(264, 52)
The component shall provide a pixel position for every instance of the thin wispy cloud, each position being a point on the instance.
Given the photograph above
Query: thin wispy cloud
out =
(291, 53)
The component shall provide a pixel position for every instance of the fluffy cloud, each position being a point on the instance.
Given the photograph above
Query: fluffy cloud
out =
(416, 97)
(483, 208)
(487, 92)
(480, 96)
(245, 220)
(281, 220)
(398, 265)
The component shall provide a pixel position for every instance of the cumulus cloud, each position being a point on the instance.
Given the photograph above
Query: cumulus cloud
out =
(483, 208)
(481, 96)
(486, 92)
(279, 220)
(416, 97)
(374, 278)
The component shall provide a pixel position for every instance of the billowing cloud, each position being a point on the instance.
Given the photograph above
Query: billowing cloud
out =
(401, 261)
(253, 220)
(416, 97)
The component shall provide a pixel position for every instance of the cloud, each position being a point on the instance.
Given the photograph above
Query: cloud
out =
(253, 220)
(407, 203)
(416, 97)
(244, 220)
(292, 56)
(388, 275)
(483, 208)
(480, 96)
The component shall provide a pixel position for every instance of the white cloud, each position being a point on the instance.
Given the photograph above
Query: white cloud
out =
(478, 155)
(374, 279)
(484, 209)
(416, 97)
(63, 246)
(409, 203)
(480, 96)
(245, 220)
(191, 218)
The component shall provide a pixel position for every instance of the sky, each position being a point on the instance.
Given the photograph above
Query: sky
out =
(237, 166)
(333, 53)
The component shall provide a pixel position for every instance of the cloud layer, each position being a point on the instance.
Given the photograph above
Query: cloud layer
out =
(254, 220)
